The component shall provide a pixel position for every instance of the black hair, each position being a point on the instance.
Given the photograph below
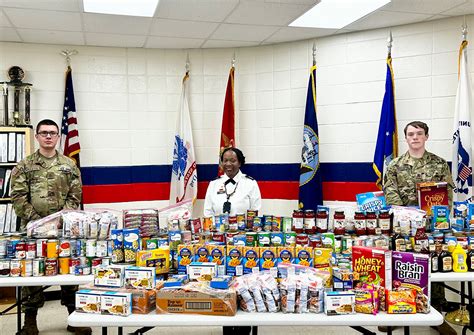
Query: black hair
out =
(418, 125)
(238, 152)
(46, 122)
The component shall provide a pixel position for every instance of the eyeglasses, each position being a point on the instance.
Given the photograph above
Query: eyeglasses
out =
(48, 133)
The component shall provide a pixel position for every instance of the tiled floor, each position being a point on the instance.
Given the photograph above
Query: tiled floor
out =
(52, 321)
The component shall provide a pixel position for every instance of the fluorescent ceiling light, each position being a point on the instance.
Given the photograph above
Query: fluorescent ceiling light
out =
(335, 14)
(121, 7)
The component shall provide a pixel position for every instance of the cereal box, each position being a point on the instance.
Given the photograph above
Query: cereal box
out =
(88, 301)
(216, 254)
(201, 254)
(268, 258)
(116, 303)
(234, 260)
(304, 256)
(185, 257)
(371, 266)
(157, 258)
(412, 271)
(140, 277)
(431, 194)
(250, 259)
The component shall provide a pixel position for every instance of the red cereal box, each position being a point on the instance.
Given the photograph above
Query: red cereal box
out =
(372, 266)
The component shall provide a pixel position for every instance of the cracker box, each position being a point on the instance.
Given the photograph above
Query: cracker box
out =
(371, 266)
(88, 301)
(116, 303)
(431, 194)
(339, 303)
(268, 258)
(157, 258)
(304, 256)
(140, 277)
(216, 254)
(185, 257)
(412, 271)
(202, 254)
(234, 260)
(109, 276)
(250, 259)
(202, 271)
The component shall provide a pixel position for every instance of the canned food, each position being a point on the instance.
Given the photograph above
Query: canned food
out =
(151, 244)
(26, 267)
(4, 267)
(91, 248)
(82, 270)
(205, 237)
(38, 267)
(52, 248)
(277, 239)
(15, 267)
(51, 267)
(41, 247)
(96, 262)
(73, 263)
(64, 265)
(64, 248)
(3, 247)
(267, 222)
(257, 224)
(186, 236)
(286, 224)
(11, 247)
(233, 225)
(175, 239)
(241, 224)
(20, 250)
(30, 249)
(207, 224)
(302, 239)
(195, 225)
(81, 247)
(218, 237)
(240, 240)
(101, 249)
(162, 241)
(73, 247)
(251, 239)
(106, 261)
(229, 237)
(315, 241)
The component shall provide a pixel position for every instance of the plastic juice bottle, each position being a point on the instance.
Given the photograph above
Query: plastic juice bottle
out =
(459, 259)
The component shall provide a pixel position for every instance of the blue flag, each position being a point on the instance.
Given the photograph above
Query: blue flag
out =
(311, 186)
(386, 147)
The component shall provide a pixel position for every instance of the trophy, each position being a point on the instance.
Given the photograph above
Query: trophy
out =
(16, 75)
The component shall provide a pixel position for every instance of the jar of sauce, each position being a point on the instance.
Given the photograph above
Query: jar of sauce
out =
(322, 221)
(298, 221)
(384, 222)
(309, 221)
(360, 223)
(371, 222)
(339, 221)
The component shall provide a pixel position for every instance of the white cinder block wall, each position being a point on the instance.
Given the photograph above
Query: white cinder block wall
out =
(127, 99)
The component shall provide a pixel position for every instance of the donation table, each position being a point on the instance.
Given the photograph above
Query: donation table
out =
(151, 320)
(463, 277)
(45, 281)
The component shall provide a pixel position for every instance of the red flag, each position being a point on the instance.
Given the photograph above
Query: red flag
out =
(228, 119)
(69, 132)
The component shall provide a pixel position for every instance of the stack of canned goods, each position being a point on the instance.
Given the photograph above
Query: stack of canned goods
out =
(50, 257)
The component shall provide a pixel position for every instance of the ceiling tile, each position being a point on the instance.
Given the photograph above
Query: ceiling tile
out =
(228, 44)
(44, 19)
(9, 35)
(173, 42)
(195, 10)
(382, 18)
(62, 5)
(464, 9)
(421, 6)
(176, 28)
(295, 2)
(287, 34)
(116, 24)
(114, 40)
(4, 20)
(271, 14)
(51, 37)
(240, 32)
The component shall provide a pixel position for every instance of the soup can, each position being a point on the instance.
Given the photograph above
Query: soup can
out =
(4, 267)
(264, 239)
(26, 267)
(15, 267)
(302, 239)
(64, 265)
(290, 239)
(64, 248)
(52, 248)
(73, 263)
(51, 267)
(38, 267)
(20, 250)
(30, 249)
(41, 247)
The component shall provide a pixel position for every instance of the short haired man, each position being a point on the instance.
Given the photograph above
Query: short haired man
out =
(43, 183)
(403, 173)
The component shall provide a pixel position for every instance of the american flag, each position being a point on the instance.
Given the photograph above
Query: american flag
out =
(465, 172)
(70, 146)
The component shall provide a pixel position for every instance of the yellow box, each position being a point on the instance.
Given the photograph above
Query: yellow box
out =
(157, 258)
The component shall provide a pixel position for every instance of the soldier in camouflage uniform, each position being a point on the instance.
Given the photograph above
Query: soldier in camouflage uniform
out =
(42, 184)
(403, 173)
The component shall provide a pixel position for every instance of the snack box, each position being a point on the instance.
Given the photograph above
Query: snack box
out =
(88, 301)
(217, 254)
(202, 254)
(221, 282)
(131, 244)
(250, 259)
(116, 303)
(223, 302)
(371, 266)
(412, 271)
(304, 256)
(234, 260)
(157, 258)
(268, 258)
(109, 276)
(185, 257)
(339, 303)
(176, 281)
(202, 271)
(140, 277)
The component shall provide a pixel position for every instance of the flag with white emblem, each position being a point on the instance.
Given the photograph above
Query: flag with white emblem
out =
(462, 163)
(386, 147)
(70, 146)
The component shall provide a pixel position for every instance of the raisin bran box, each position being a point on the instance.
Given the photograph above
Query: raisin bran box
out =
(412, 271)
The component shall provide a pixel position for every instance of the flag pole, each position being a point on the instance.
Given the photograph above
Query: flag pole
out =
(389, 43)
(187, 63)
(314, 53)
(68, 53)
(233, 60)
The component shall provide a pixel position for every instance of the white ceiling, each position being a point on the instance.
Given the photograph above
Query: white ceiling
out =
(197, 23)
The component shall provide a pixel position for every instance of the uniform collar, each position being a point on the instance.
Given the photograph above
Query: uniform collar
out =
(237, 177)
(40, 159)
(407, 159)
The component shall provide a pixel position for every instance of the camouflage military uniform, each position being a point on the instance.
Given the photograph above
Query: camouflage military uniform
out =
(400, 180)
(42, 186)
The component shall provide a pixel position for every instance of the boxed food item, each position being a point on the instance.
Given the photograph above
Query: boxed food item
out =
(185, 257)
(109, 276)
(285, 255)
(202, 271)
(342, 279)
(157, 258)
(216, 254)
(366, 301)
(440, 220)
(268, 258)
(221, 282)
(234, 260)
(140, 277)
(339, 303)
(201, 254)
(431, 194)
(176, 281)
(192, 300)
(304, 256)
(322, 259)
(131, 244)
(250, 259)
(412, 271)
(143, 301)
(371, 201)
(401, 302)
(372, 266)
(88, 301)
(116, 303)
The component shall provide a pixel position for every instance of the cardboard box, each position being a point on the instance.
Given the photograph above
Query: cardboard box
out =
(372, 266)
(157, 258)
(204, 271)
(188, 302)
(339, 303)
(88, 301)
(116, 303)
(109, 276)
(143, 301)
(431, 194)
(140, 277)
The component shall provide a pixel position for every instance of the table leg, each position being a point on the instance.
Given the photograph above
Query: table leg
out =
(18, 308)
(104, 330)
(406, 330)
(389, 330)
(120, 330)
(254, 330)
